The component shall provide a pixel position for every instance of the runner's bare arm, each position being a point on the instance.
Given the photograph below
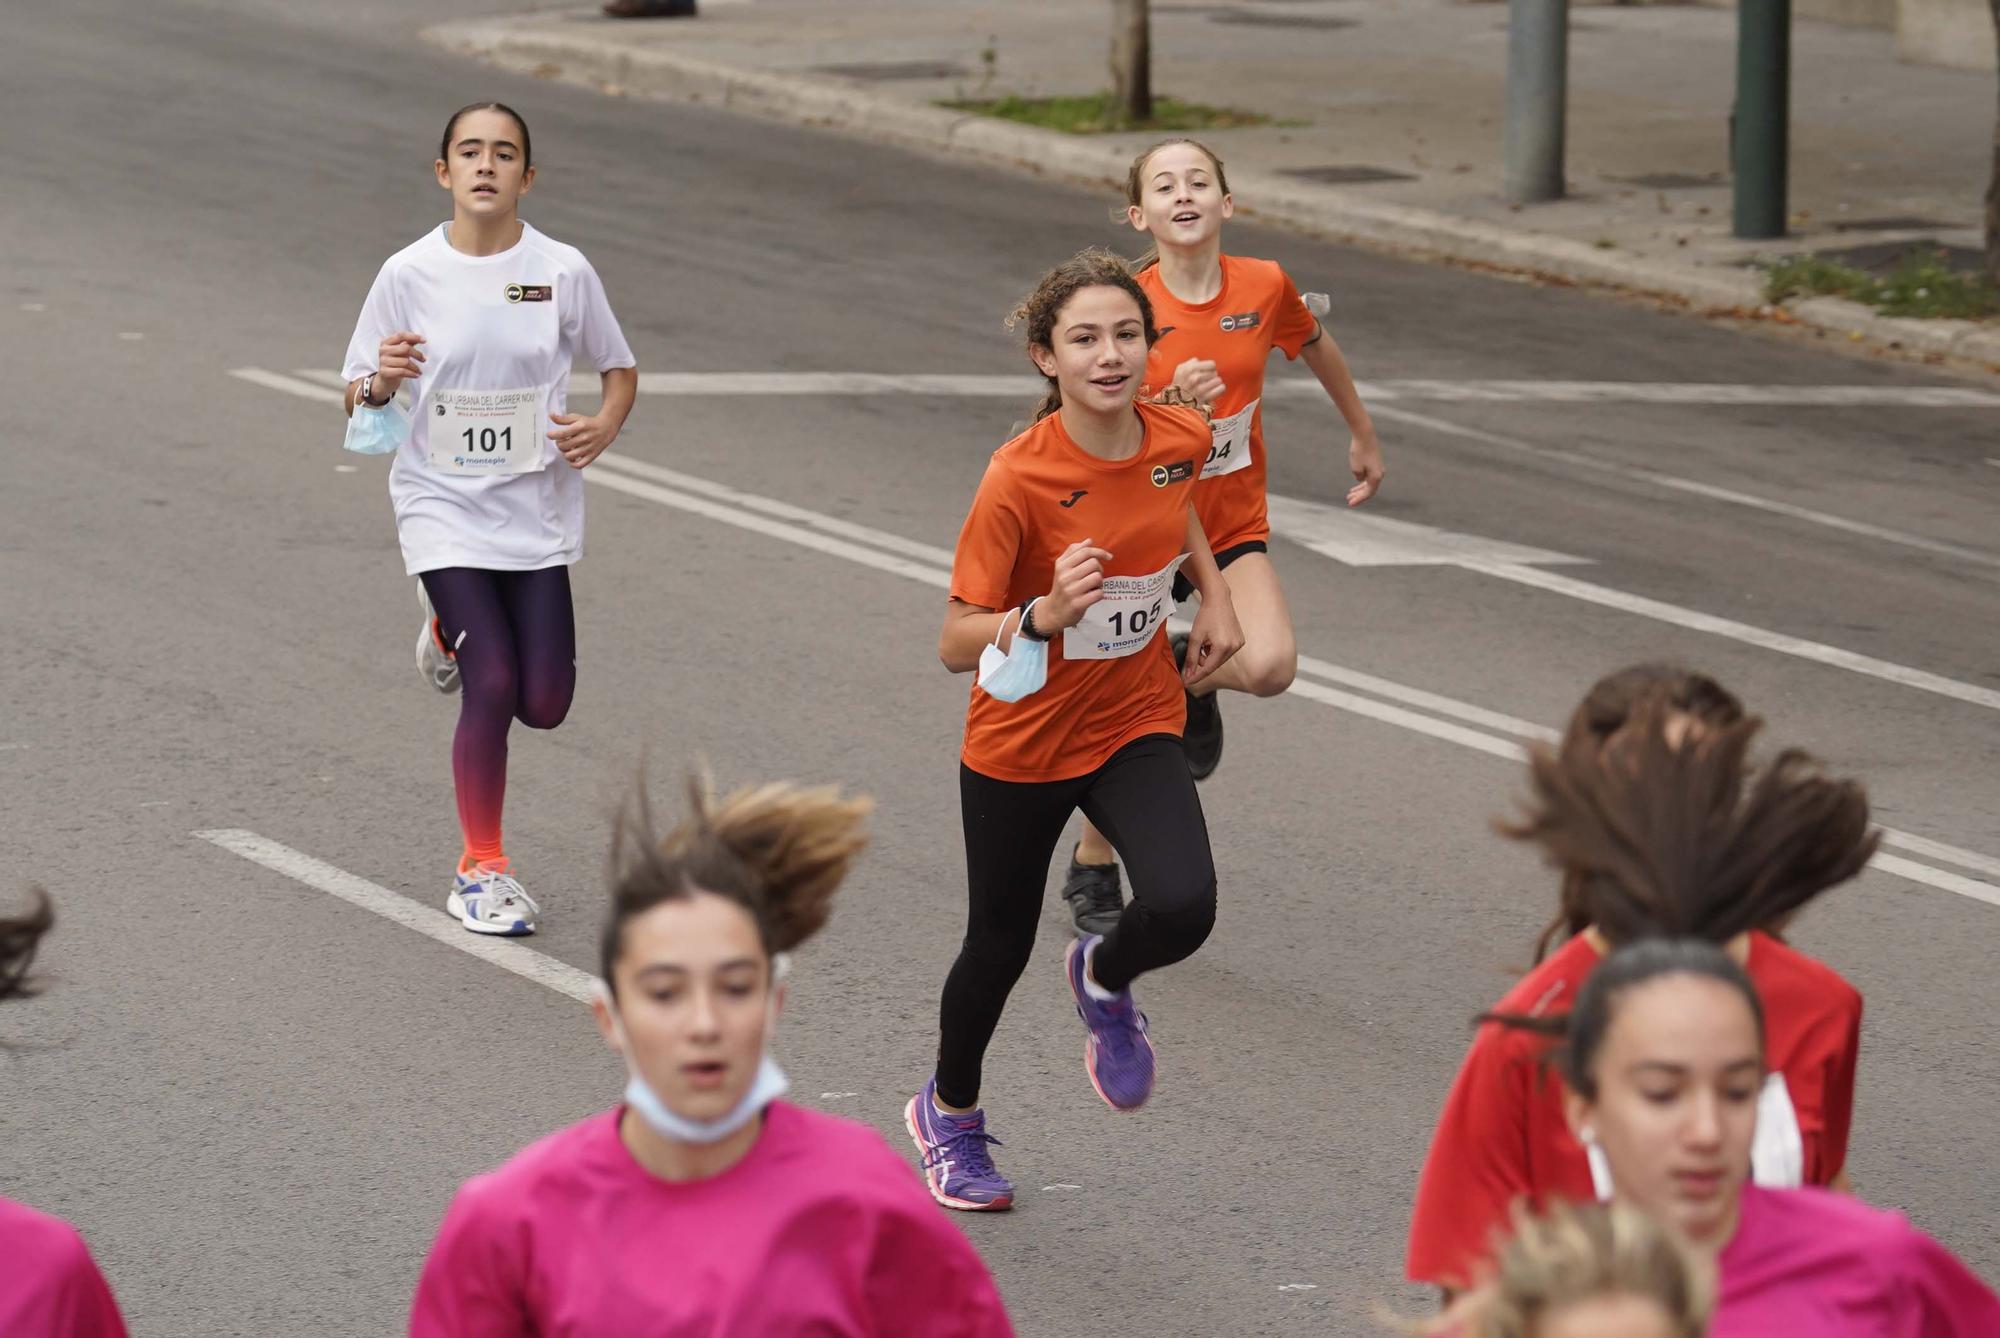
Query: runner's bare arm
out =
(398, 360)
(970, 628)
(1216, 635)
(583, 437)
(1364, 451)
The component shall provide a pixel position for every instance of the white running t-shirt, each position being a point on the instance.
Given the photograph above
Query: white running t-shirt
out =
(511, 321)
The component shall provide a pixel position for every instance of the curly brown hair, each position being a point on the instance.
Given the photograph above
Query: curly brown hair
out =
(1091, 268)
(780, 851)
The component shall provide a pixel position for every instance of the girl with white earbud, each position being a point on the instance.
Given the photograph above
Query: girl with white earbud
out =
(1659, 828)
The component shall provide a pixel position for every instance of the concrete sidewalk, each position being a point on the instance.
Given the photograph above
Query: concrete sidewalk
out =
(1388, 129)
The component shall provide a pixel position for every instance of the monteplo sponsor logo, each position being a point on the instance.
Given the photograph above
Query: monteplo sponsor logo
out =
(530, 292)
(1180, 471)
(1246, 321)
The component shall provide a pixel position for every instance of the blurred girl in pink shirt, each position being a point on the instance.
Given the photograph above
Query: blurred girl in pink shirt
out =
(702, 1204)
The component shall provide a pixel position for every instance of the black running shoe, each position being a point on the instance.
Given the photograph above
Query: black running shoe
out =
(1095, 898)
(1203, 736)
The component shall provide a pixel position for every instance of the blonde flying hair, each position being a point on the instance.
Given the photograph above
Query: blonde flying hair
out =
(1577, 1253)
(778, 850)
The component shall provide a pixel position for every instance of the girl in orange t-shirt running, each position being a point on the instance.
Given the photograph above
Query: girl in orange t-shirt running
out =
(1220, 316)
(1060, 588)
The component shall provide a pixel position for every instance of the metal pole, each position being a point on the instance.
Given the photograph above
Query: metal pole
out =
(1763, 101)
(1537, 80)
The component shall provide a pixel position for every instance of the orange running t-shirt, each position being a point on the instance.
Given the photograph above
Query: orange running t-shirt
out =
(1257, 310)
(1042, 492)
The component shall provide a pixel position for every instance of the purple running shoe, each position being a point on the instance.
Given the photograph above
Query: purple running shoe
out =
(1117, 1054)
(957, 1166)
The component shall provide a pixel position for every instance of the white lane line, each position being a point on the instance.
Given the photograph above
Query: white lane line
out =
(427, 920)
(279, 381)
(894, 543)
(1692, 486)
(1949, 882)
(988, 387)
(1668, 392)
(1396, 715)
(1012, 385)
(1938, 850)
(728, 515)
(1430, 701)
(1379, 711)
(1819, 652)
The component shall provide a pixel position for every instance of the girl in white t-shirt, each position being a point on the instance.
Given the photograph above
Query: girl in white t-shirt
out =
(482, 317)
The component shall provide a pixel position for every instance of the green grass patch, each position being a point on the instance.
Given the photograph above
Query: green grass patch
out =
(1096, 114)
(1922, 284)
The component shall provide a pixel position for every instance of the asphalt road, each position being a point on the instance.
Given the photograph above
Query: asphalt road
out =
(256, 1099)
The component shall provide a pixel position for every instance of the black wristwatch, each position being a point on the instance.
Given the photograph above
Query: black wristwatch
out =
(1026, 627)
(368, 392)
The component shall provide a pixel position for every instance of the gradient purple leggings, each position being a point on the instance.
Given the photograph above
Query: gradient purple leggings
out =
(514, 633)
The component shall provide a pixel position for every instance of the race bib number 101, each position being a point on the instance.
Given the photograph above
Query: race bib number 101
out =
(1124, 620)
(486, 432)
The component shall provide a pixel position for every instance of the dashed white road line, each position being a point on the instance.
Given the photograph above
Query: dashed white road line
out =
(290, 385)
(430, 921)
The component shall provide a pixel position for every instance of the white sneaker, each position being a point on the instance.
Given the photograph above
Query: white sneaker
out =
(437, 665)
(488, 900)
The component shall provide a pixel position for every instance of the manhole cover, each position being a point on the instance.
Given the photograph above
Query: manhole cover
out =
(1672, 180)
(1253, 19)
(883, 71)
(1346, 174)
(1895, 223)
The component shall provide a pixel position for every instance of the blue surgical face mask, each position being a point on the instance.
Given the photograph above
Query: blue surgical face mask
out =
(769, 1084)
(372, 431)
(1018, 672)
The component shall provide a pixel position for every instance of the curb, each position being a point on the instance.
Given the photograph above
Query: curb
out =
(536, 45)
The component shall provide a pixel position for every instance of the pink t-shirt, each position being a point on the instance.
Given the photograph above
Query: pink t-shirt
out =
(1811, 1261)
(821, 1229)
(49, 1286)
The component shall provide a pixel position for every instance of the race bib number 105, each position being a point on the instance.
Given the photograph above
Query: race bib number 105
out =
(486, 432)
(1124, 620)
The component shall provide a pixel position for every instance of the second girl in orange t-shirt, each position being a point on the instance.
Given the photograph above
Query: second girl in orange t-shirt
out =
(1060, 590)
(1220, 317)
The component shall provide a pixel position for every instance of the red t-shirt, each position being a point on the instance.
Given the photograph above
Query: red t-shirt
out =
(1042, 492)
(1502, 1135)
(1256, 311)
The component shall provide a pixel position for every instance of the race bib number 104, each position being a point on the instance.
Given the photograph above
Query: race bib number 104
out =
(486, 432)
(1124, 620)
(1229, 449)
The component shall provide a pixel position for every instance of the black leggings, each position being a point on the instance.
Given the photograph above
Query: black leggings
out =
(1144, 802)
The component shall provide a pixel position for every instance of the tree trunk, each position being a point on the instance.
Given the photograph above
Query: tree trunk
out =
(1993, 181)
(1132, 59)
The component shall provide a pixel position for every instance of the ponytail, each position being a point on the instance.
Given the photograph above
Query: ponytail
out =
(20, 936)
(780, 851)
(1664, 829)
